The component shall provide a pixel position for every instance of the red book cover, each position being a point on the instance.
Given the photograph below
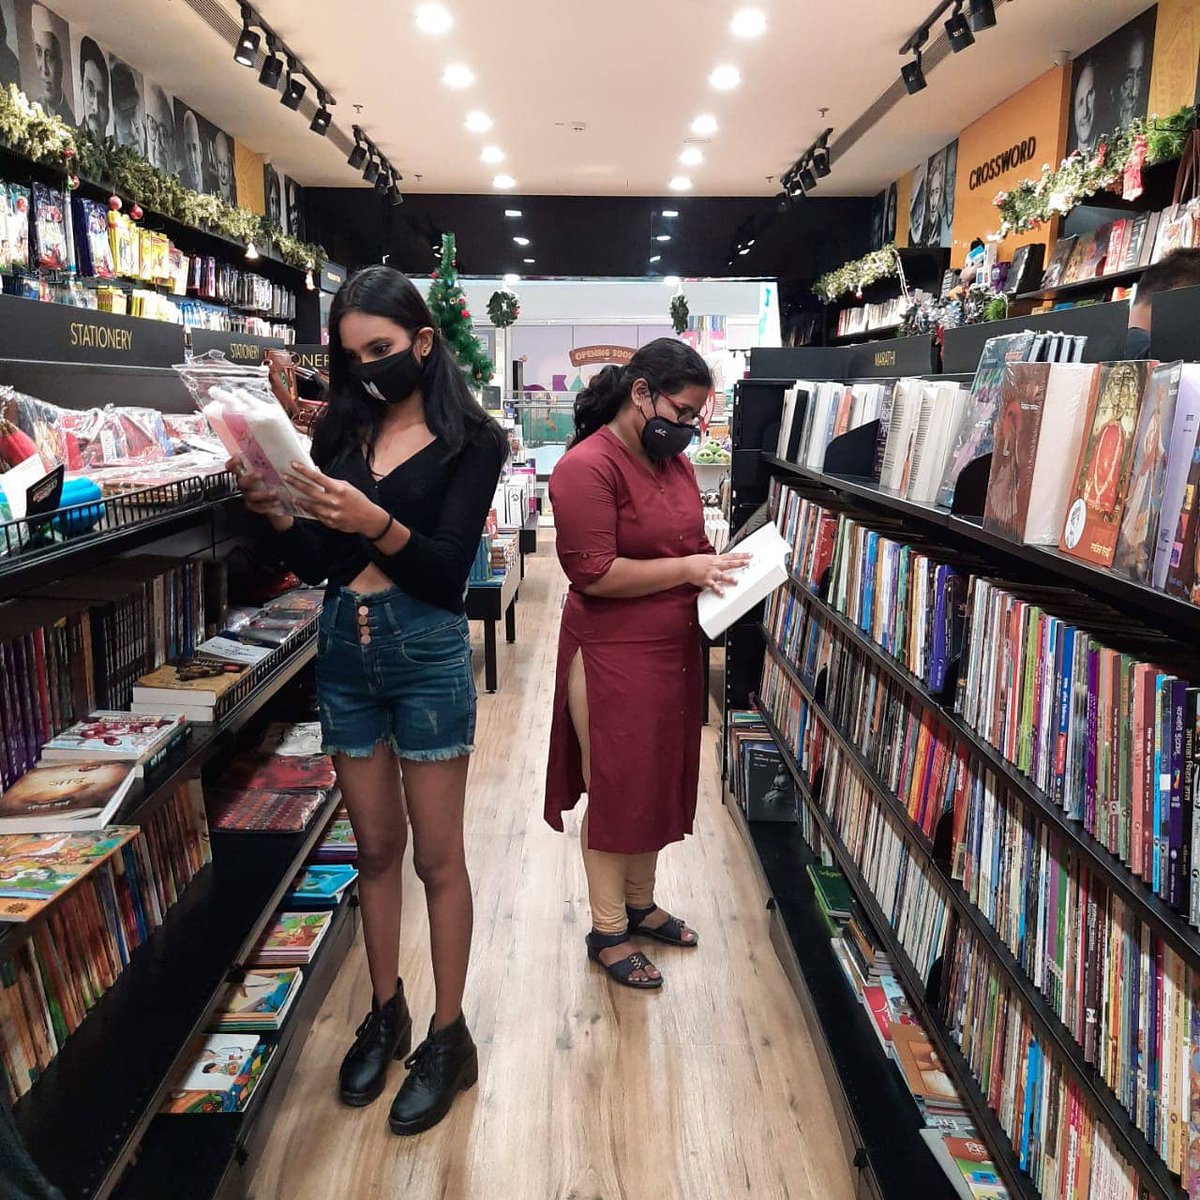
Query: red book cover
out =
(875, 998)
(1014, 452)
(253, 810)
(282, 772)
(1105, 460)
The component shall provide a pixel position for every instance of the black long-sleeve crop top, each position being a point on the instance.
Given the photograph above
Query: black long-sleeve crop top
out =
(443, 499)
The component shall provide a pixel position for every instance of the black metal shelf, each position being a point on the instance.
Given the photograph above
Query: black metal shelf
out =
(1084, 286)
(85, 1116)
(1149, 907)
(192, 1157)
(866, 335)
(1131, 1143)
(986, 1122)
(1159, 608)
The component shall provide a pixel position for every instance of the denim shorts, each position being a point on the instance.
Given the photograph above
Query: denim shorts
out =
(394, 670)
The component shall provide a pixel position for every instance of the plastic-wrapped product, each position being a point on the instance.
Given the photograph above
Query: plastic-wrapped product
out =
(50, 227)
(100, 433)
(43, 423)
(246, 416)
(191, 431)
(17, 225)
(145, 433)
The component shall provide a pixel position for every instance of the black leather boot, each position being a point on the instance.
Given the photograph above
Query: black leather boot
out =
(443, 1065)
(384, 1035)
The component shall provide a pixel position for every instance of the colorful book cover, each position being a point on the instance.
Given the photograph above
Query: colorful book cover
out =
(221, 1075)
(1056, 270)
(108, 734)
(923, 1070)
(292, 939)
(1138, 539)
(1102, 473)
(281, 772)
(37, 868)
(66, 796)
(339, 843)
(320, 885)
(259, 1000)
(1181, 566)
(256, 810)
(1014, 453)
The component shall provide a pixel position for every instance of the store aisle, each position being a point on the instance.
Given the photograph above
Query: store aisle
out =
(710, 1088)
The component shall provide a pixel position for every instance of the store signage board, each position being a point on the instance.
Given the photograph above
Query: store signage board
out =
(333, 275)
(310, 355)
(33, 331)
(586, 356)
(245, 348)
(899, 356)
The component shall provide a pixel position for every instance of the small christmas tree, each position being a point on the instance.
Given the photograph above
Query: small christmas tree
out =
(453, 318)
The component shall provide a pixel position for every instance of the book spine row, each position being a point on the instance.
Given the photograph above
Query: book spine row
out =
(80, 949)
(1054, 1133)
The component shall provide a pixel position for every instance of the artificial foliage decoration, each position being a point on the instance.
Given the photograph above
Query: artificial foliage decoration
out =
(934, 314)
(1054, 193)
(679, 313)
(856, 275)
(453, 317)
(47, 139)
(504, 308)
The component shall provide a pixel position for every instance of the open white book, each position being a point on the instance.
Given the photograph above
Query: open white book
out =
(766, 570)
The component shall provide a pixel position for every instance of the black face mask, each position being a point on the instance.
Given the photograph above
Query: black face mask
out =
(390, 380)
(663, 439)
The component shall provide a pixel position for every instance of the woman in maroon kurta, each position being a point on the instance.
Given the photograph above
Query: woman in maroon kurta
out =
(628, 698)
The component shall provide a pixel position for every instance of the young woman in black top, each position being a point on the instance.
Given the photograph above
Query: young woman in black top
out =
(408, 465)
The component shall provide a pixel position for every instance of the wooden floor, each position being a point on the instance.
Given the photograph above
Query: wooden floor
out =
(709, 1088)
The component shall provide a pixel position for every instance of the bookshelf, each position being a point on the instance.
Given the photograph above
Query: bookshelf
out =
(1084, 287)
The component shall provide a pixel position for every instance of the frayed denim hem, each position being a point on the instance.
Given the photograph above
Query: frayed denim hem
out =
(441, 754)
(358, 751)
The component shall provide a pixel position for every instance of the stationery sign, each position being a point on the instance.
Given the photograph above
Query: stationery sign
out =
(34, 331)
(245, 348)
(312, 356)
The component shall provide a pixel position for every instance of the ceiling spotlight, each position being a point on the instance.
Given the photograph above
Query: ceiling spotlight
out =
(671, 280)
(655, 258)
(358, 155)
(663, 237)
(456, 75)
(692, 156)
(680, 183)
(294, 92)
(704, 125)
(383, 181)
(512, 212)
(433, 18)
(748, 23)
(492, 154)
(670, 212)
(322, 117)
(808, 180)
(246, 51)
(820, 162)
(913, 75)
(510, 279)
(503, 182)
(958, 30)
(783, 202)
(478, 122)
(371, 171)
(744, 250)
(521, 241)
(725, 78)
(529, 260)
(272, 67)
(983, 14)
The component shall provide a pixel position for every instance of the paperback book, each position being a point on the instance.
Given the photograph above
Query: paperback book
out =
(292, 939)
(140, 740)
(72, 796)
(221, 1075)
(259, 1001)
(320, 886)
(37, 868)
(1014, 456)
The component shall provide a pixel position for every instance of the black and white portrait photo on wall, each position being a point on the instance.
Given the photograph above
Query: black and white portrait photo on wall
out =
(273, 195)
(890, 200)
(93, 87)
(160, 128)
(917, 206)
(1110, 83)
(294, 196)
(45, 72)
(128, 90)
(939, 195)
(219, 167)
(10, 60)
(189, 146)
(877, 221)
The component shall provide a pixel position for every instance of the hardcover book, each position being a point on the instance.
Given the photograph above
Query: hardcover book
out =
(281, 772)
(1056, 271)
(253, 810)
(1014, 454)
(37, 868)
(68, 797)
(1093, 518)
(197, 681)
(119, 735)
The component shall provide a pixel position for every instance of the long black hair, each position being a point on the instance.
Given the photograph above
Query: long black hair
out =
(666, 364)
(352, 419)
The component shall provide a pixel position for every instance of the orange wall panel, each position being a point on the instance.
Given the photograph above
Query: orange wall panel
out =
(1176, 52)
(248, 167)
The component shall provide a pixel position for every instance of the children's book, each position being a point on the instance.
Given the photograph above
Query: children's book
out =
(292, 939)
(320, 885)
(221, 1074)
(36, 868)
(259, 1001)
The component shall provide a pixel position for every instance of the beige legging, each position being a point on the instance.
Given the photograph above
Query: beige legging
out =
(614, 880)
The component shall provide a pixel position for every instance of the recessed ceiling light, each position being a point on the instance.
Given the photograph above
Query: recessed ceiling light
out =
(693, 156)
(492, 154)
(744, 250)
(705, 124)
(663, 237)
(512, 279)
(456, 75)
(680, 183)
(478, 122)
(529, 260)
(671, 281)
(503, 182)
(655, 258)
(669, 212)
(725, 77)
(748, 23)
(433, 18)
(512, 212)
(521, 241)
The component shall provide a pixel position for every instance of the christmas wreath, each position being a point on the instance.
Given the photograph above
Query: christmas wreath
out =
(854, 276)
(679, 313)
(504, 308)
(47, 139)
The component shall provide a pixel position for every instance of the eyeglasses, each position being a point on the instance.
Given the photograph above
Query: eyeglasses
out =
(684, 414)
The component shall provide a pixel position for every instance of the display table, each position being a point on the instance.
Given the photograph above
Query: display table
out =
(488, 602)
(528, 539)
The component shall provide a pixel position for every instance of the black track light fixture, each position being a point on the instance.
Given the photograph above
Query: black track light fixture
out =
(983, 14)
(397, 198)
(808, 180)
(913, 75)
(958, 30)
(246, 50)
(272, 67)
(783, 202)
(294, 92)
(820, 161)
(358, 156)
(322, 118)
(371, 171)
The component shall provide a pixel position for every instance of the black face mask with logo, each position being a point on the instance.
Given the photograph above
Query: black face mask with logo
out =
(663, 439)
(390, 380)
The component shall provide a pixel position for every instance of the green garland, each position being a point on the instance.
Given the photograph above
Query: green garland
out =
(1054, 193)
(448, 304)
(48, 139)
(679, 313)
(854, 276)
(504, 308)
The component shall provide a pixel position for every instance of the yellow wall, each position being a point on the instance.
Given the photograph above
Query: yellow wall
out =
(903, 198)
(1037, 111)
(248, 168)
(1176, 52)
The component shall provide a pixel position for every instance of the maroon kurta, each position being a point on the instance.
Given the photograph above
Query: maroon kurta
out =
(641, 657)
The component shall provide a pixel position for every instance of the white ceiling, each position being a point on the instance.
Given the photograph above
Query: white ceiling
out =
(634, 73)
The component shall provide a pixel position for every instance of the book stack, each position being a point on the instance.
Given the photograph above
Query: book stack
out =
(222, 1072)
(142, 742)
(832, 894)
(917, 441)
(104, 893)
(272, 792)
(320, 885)
(870, 317)
(292, 940)
(832, 410)
(259, 1001)
(339, 844)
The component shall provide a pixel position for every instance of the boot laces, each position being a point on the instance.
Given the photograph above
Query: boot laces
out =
(422, 1060)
